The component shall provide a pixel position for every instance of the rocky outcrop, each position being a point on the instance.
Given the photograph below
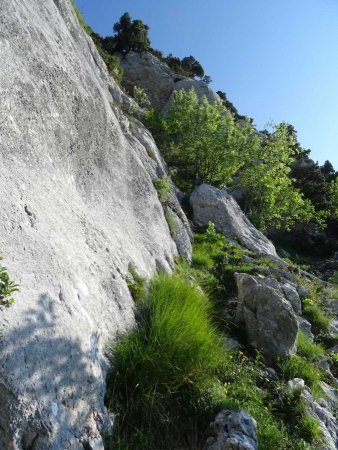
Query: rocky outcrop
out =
(77, 207)
(158, 81)
(269, 321)
(218, 206)
(233, 430)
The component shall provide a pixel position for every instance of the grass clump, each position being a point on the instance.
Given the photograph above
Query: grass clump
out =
(163, 187)
(307, 348)
(296, 410)
(174, 347)
(136, 285)
(297, 366)
(171, 224)
(314, 312)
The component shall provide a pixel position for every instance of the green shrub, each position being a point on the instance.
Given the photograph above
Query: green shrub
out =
(140, 97)
(164, 188)
(7, 287)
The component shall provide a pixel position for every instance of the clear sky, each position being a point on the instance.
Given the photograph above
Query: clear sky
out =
(276, 60)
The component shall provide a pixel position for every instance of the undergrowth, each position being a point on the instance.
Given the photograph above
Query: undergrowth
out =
(7, 287)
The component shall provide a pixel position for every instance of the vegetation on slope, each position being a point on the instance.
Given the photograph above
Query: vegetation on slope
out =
(173, 373)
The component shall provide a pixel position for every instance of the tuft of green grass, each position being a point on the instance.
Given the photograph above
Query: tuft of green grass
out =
(307, 348)
(163, 187)
(137, 285)
(296, 410)
(315, 313)
(171, 224)
(296, 366)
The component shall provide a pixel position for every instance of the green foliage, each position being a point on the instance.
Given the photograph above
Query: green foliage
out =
(295, 409)
(171, 224)
(7, 287)
(307, 348)
(205, 144)
(271, 200)
(314, 312)
(157, 365)
(141, 97)
(164, 189)
(130, 35)
(296, 366)
(136, 285)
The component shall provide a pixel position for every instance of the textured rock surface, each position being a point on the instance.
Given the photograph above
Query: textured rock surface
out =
(158, 81)
(77, 207)
(321, 410)
(269, 321)
(218, 206)
(292, 296)
(233, 430)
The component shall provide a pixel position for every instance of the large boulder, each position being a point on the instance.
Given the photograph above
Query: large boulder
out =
(78, 206)
(233, 430)
(158, 81)
(268, 319)
(219, 207)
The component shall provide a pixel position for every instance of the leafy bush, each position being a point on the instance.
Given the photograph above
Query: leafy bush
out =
(7, 287)
(141, 97)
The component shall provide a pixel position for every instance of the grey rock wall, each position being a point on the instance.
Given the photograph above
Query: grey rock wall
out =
(77, 207)
(158, 81)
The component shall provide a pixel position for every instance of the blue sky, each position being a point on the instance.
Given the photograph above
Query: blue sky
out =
(276, 60)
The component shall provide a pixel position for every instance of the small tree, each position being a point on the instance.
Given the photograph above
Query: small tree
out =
(129, 35)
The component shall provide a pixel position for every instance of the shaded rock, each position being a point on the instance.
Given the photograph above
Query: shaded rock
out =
(292, 296)
(218, 206)
(233, 430)
(269, 321)
(283, 253)
(306, 327)
(303, 291)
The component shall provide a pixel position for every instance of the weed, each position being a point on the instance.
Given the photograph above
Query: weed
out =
(171, 224)
(163, 187)
(307, 348)
(7, 287)
(136, 285)
(296, 366)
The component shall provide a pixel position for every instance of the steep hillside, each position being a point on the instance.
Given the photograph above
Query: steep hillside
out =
(78, 210)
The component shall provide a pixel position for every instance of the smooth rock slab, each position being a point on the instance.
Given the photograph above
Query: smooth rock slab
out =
(218, 206)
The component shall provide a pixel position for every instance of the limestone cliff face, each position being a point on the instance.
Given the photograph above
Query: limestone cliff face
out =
(77, 207)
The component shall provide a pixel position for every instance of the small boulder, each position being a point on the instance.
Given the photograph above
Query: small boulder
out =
(268, 318)
(295, 385)
(292, 296)
(306, 327)
(233, 430)
(303, 291)
(219, 207)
